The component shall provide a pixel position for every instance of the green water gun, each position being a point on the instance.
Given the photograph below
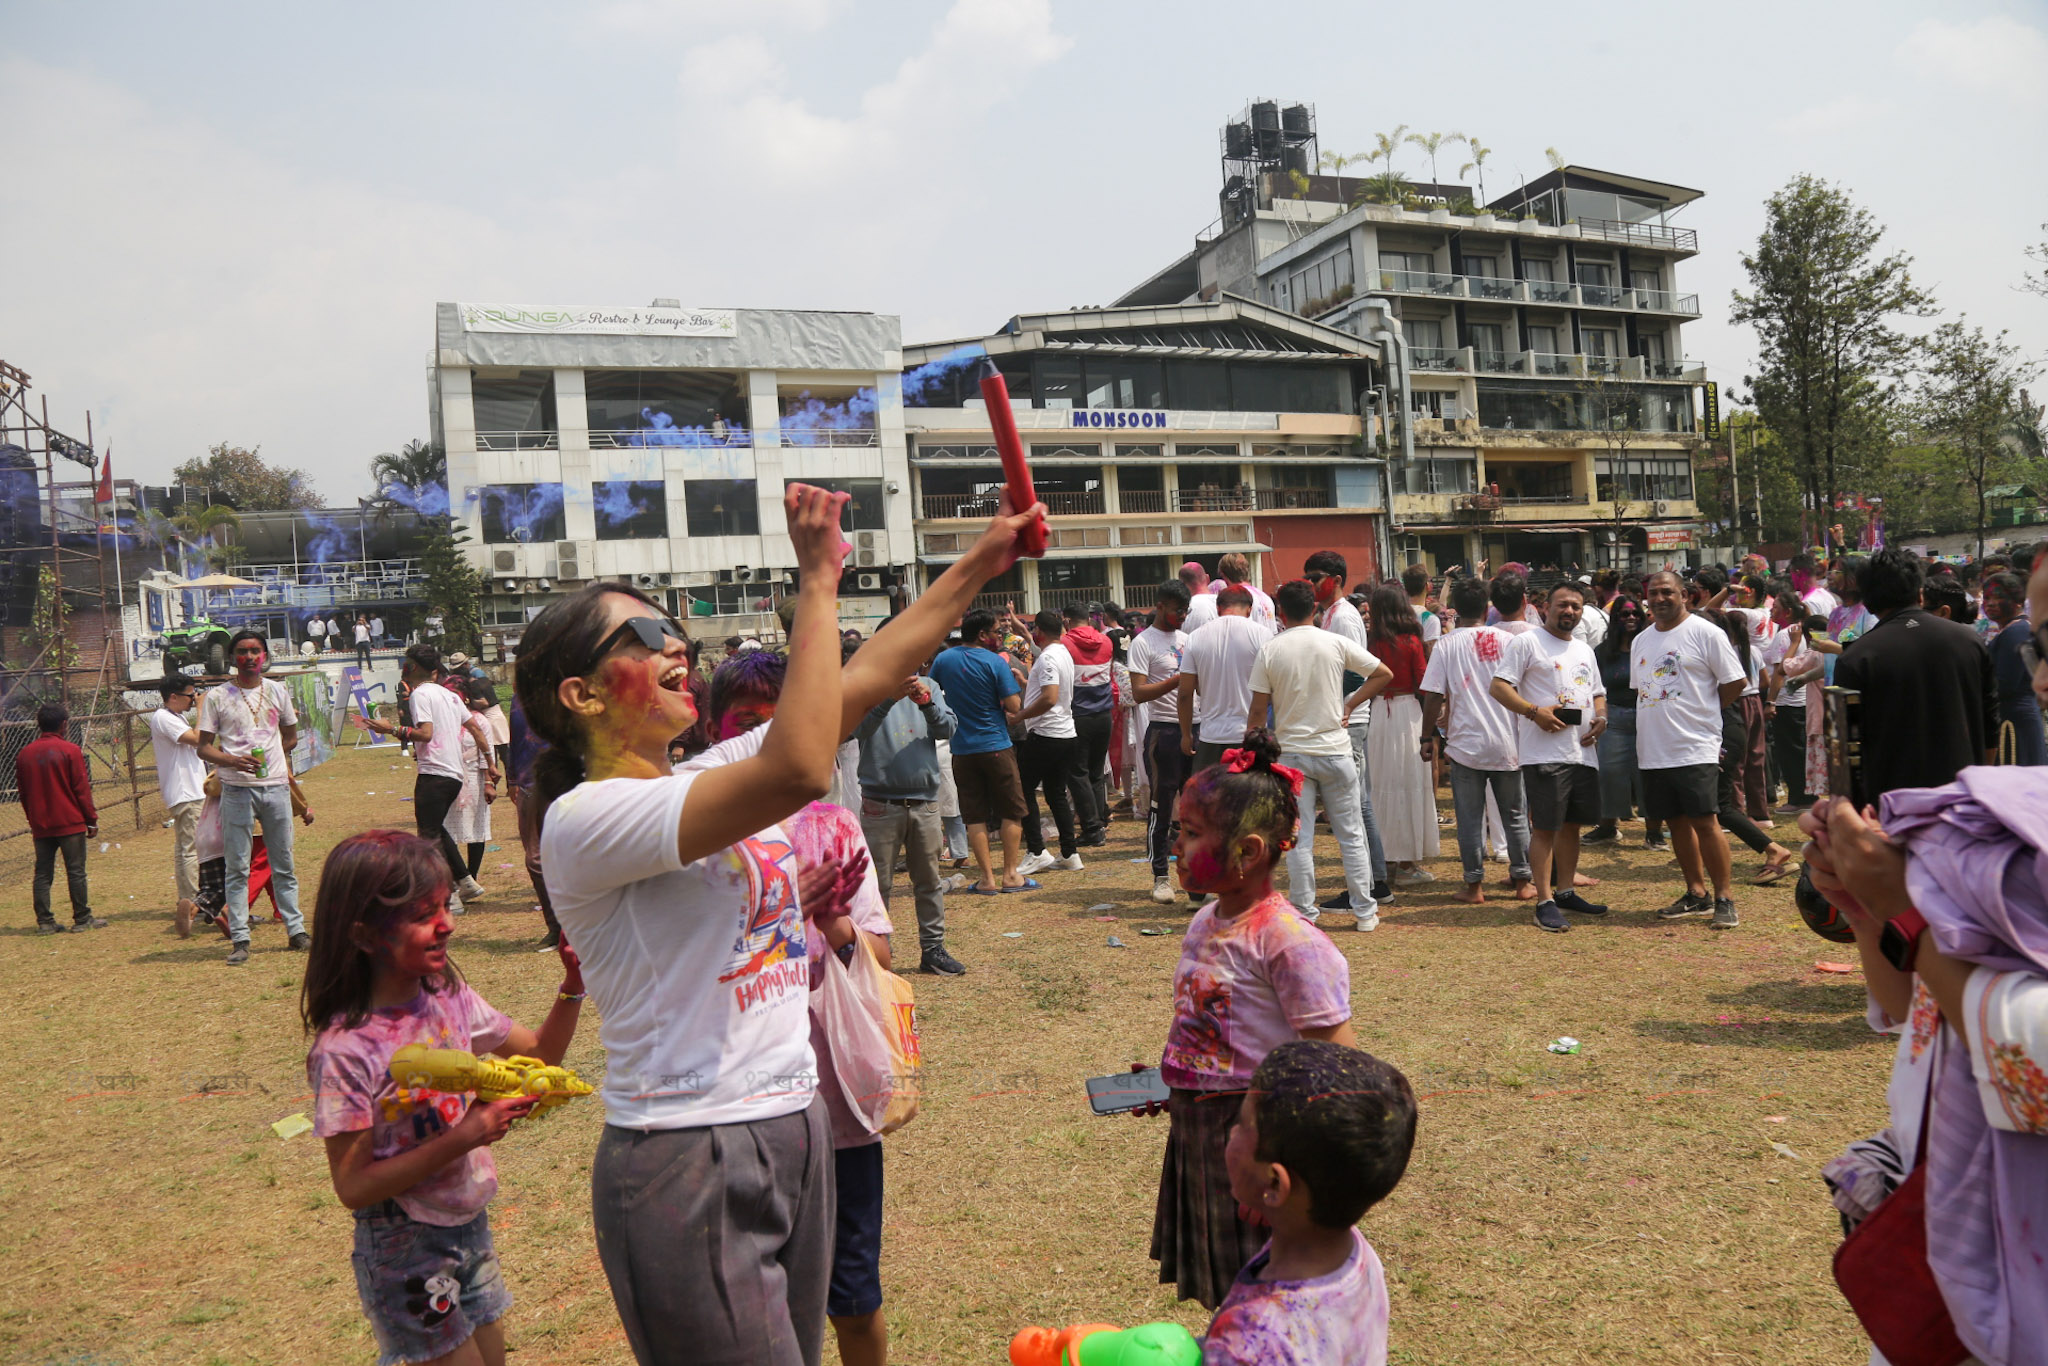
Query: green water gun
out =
(1104, 1344)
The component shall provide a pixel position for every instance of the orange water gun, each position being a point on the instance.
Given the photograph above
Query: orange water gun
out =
(1104, 1344)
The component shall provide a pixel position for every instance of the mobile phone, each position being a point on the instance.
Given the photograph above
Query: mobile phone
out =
(1571, 716)
(1841, 728)
(1121, 1092)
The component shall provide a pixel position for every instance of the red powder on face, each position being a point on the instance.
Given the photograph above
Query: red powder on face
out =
(1204, 869)
(742, 717)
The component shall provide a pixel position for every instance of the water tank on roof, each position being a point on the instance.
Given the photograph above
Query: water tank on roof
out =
(1295, 158)
(1237, 140)
(1266, 115)
(1297, 122)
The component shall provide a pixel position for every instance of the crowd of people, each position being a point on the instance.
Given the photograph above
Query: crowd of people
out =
(701, 835)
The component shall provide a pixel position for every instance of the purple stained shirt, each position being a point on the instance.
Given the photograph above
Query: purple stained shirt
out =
(1245, 986)
(350, 1071)
(1334, 1320)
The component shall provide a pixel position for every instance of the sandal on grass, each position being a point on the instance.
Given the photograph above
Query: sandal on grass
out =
(1771, 873)
(976, 889)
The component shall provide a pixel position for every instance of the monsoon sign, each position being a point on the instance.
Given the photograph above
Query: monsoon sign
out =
(615, 322)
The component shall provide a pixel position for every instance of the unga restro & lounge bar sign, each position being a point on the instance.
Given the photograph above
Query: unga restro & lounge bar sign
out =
(615, 322)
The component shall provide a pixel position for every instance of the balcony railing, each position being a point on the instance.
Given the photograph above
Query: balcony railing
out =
(636, 438)
(1664, 301)
(1640, 234)
(1418, 282)
(1601, 296)
(1523, 500)
(1602, 365)
(1548, 291)
(1490, 287)
(1213, 500)
(1141, 500)
(1432, 358)
(1283, 500)
(518, 441)
(1072, 504)
(977, 505)
(1552, 362)
(1496, 362)
(1072, 594)
(831, 436)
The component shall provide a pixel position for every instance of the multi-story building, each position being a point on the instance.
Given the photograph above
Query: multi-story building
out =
(652, 445)
(1156, 436)
(1533, 342)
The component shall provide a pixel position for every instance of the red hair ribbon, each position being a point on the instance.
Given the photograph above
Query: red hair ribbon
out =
(1243, 761)
(1292, 777)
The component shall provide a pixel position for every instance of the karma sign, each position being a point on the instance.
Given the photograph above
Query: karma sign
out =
(616, 322)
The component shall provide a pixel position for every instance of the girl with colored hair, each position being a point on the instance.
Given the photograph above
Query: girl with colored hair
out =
(1403, 782)
(414, 1165)
(1253, 974)
(712, 1187)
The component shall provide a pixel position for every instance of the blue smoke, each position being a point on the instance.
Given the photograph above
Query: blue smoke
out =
(525, 514)
(620, 501)
(920, 384)
(661, 430)
(331, 539)
(431, 501)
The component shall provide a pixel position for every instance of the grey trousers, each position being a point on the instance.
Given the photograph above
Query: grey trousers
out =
(717, 1241)
(916, 830)
(1468, 803)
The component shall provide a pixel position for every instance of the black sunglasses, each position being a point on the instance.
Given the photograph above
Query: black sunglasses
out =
(651, 631)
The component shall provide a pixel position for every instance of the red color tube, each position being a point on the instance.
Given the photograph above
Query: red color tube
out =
(995, 394)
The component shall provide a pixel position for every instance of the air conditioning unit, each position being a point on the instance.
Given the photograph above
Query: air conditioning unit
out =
(869, 583)
(504, 561)
(1663, 508)
(742, 574)
(649, 581)
(725, 576)
(568, 561)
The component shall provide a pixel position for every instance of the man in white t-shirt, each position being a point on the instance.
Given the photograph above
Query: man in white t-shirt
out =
(1051, 753)
(333, 633)
(247, 730)
(1201, 596)
(1684, 672)
(1415, 583)
(181, 777)
(377, 631)
(1232, 571)
(1299, 673)
(1155, 678)
(1326, 572)
(1478, 740)
(1552, 682)
(439, 716)
(1215, 695)
(316, 631)
(1812, 584)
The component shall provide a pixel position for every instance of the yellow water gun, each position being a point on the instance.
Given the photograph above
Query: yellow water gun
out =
(418, 1067)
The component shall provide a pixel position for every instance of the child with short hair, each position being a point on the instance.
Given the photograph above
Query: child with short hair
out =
(1253, 974)
(1322, 1136)
(413, 1165)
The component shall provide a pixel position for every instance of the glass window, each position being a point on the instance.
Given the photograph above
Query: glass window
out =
(1322, 284)
(1289, 388)
(1543, 339)
(630, 510)
(1588, 407)
(1073, 573)
(524, 402)
(1058, 381)
(730, 599)
(825, 415)
(1198, 386)
(721, 507)
(1600, 341)
(1595, 273)
(1424, 332)
(1486, 336)
(1142, 576)
(1126, 384)
(1538, 268)
(863, 509)
(1483, 267)
(1644, 279)
(1653, 346)
(665, 407)
(521, 512)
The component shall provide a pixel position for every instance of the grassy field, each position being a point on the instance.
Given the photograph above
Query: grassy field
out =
(1654, 1198)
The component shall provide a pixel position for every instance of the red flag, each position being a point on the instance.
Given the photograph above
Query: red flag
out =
(106, 489)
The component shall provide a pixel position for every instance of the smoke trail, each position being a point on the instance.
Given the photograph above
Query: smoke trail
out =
(524, 513)
(331, 541)
(620, 501)
(661, 430)
(431, 501)
(926, 381)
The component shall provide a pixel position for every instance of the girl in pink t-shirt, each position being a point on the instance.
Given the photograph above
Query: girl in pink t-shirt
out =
(1253, 974)
(414, 1165)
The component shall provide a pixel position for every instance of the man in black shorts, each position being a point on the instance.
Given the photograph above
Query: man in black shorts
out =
(1550, 679)
(1684, 672)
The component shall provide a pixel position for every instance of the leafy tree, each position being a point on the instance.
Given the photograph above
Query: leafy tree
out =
(2036, 281)
(454, 587)
(411, 476)
(1968, 399)
(249, 481)
(1822, 304)
(210, 531)
(45, 640)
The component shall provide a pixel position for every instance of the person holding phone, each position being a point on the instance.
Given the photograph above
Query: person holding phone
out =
(1550, 679)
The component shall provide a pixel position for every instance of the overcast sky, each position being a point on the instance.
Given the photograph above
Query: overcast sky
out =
(231, 222)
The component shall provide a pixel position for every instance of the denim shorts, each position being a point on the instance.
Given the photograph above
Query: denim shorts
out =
(425, 1287)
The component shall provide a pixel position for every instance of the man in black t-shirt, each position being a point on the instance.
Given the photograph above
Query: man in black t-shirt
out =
(1929, 701)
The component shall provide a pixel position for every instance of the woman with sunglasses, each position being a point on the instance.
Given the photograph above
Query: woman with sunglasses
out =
(712, 1185)
(1621, 781)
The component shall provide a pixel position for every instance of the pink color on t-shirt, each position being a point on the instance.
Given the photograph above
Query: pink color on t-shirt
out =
(1244, 986)
(825, 835)
(1334, 1320)
(350, 1070)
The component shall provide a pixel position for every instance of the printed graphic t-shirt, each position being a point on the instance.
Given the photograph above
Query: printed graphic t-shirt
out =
(698, 970)
(1245, 986)
(350, 1071)
(242, 722)
(1480, 732)
(1341, 1317)
(1677, 675)
(1549, 672)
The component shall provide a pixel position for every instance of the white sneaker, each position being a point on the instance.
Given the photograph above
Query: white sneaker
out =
(472, 889)
(454, 904)
(1163, 893)
(1035, 863)
(1070, 864)
(1368, 922)
(1417, 874)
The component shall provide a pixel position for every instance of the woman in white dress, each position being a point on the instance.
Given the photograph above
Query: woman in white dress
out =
(469, 820)
(1403, 785)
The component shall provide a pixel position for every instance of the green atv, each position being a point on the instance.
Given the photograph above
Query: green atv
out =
(198, 641)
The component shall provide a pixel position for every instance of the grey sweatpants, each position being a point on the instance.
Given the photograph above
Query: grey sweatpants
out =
(718, 1241)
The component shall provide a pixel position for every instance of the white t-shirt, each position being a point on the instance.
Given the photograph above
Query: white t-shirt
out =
(434, 705)
(377, 627)
(362, 633)
(1478, 731)
(241, 723)
(1201, 611)
(699, 971)
(1432, 624)
(180, 772)
(1302, 670)
(1549, 672)
(1774, 652)
(1202, 608)
(316, 628)
(1341, 618)
(1592, 627)
(1821, 601)
(1155, 655)
(1054, 667)
(1219, 658)
(1677, 675)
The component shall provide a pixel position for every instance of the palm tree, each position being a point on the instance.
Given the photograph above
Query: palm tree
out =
(1477, 163)
(1335, 162)
(1383, 148)
(1429, 143)
(1555, 158)
(414, 470)
(209, 531)
(1389, 188)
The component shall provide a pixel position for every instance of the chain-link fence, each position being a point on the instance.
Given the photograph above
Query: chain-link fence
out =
(119, 761)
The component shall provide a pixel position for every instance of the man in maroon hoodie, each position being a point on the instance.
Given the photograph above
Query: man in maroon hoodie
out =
(1094, 709)
(56, 796)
